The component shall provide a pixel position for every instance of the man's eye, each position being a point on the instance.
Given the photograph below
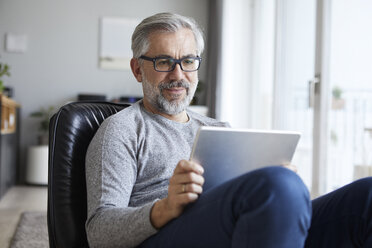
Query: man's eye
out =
(164, 62)
(188, 61)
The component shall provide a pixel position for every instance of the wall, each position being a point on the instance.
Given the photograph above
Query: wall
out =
(62, 56)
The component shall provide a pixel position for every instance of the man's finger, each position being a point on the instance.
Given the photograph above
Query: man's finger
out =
(185, 166)
(187, 198)
(189, 177)
(190, 188)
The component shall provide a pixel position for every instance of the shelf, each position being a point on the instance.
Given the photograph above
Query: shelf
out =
(8, 115)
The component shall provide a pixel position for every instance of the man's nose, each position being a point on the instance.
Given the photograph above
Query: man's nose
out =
(177, 73)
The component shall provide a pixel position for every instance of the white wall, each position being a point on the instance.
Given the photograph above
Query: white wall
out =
(62, 56)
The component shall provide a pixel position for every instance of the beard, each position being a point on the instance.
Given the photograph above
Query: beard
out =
(154, 94)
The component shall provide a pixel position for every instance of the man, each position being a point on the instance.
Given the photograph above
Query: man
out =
(143, 192)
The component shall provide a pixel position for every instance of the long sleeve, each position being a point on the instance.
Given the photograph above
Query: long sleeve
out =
(111, 172)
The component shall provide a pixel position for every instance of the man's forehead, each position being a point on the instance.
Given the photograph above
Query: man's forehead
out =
(169, 32)
(167, 43)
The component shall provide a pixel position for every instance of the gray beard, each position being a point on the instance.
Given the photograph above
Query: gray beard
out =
(155, 96)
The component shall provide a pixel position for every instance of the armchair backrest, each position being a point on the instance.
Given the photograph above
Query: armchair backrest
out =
(70, 131)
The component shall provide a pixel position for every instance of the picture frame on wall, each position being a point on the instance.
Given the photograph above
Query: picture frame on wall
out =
(115, 42)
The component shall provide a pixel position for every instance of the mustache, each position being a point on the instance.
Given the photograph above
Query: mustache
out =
(173, 84)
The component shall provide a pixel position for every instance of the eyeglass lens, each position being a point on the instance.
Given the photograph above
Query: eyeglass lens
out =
(168, 64)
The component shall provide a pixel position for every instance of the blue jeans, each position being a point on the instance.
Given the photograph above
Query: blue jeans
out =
(343, 218)
(271, 207)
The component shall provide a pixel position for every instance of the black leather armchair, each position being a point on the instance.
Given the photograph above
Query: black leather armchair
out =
(70, 132)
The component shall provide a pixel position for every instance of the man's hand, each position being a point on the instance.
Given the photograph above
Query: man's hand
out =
(184, 187)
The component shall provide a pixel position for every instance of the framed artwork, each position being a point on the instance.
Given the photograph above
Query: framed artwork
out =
(115, 42)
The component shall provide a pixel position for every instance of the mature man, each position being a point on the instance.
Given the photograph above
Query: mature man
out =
(143, 192)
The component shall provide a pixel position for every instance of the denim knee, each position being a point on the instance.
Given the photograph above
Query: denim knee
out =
(284, 183)
(360, 192)
(343, 218)
(362, 185)
(274, 201)
(277, 185)
(290, 198)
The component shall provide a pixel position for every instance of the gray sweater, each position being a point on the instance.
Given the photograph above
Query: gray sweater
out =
(128, 166)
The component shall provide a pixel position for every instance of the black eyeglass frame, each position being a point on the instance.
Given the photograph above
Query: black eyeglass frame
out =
(176, 61)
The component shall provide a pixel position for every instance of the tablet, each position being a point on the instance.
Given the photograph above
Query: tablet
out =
(226, 153)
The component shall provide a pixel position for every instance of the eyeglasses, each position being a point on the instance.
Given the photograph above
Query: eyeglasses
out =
(167, 64)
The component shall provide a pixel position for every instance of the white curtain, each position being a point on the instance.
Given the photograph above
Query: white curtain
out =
(244, 90)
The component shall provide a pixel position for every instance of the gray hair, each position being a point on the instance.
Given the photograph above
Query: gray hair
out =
(166, 22)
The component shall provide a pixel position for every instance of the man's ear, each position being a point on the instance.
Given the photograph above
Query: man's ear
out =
(136, 69)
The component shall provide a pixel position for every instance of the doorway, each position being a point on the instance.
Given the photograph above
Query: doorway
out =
(323, 88)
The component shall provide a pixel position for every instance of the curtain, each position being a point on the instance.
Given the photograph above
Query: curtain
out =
(214, 46)
(241, 60)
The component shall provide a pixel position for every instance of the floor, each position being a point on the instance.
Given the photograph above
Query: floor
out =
(17, 200)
